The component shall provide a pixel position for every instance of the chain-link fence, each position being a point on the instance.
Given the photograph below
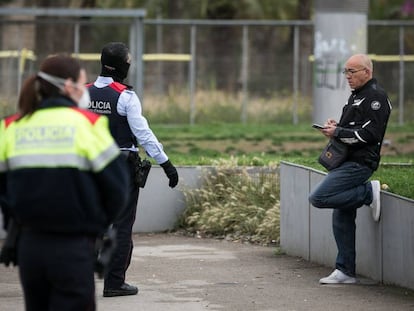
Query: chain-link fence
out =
(208, 71)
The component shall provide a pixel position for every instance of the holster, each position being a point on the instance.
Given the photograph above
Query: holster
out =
(142, 168)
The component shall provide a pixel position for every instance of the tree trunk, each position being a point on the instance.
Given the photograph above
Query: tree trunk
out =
(305, 46)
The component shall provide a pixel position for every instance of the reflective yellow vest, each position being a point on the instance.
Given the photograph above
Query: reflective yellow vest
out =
(61, 170)
(56, 137)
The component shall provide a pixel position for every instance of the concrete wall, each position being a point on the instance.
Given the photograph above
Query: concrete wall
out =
(159, 206)
(385, 249)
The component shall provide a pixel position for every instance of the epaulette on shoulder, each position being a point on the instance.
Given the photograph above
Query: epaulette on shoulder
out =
(10, 119)
(91, 116)
(119, 87)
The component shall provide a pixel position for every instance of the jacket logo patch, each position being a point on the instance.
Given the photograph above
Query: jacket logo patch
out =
(45, 137)
(358, 102)
(99, 106)
(375, 105)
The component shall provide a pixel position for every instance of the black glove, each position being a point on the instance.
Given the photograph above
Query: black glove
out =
(104, 249)
(8, 253)
(8, 256)
(171, 173)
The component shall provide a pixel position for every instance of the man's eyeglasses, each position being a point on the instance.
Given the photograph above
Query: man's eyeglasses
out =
(351, 71)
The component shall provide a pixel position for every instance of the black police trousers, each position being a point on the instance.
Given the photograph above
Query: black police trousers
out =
(121, 259)
(57, 271)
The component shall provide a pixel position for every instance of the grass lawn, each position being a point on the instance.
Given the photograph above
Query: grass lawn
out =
(268, 144)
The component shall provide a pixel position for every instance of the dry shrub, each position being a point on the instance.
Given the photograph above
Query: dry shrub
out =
(234, 203)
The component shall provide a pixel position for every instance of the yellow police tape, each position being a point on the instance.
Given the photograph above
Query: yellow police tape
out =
(25, 54)
(145, 57)
(28, 54)
(382, 58)
(391, 58)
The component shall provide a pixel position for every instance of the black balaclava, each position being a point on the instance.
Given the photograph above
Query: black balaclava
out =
(115, 61)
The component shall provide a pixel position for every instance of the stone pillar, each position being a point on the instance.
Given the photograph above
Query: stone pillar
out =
(340, 31)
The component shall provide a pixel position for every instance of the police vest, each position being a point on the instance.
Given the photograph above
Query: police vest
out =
(104, 101)
(49, 159)
(56, 137)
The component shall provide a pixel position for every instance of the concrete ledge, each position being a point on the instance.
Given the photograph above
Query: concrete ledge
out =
(385, 251)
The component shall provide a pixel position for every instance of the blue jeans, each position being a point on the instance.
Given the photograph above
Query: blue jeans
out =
(344, 189)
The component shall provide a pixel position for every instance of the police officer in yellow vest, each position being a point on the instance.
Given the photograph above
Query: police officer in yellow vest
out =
(111, 97)
(62, 179)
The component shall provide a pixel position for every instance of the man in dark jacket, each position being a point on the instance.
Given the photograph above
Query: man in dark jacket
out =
(361, 127)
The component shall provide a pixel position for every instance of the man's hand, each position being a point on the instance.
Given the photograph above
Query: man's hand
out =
(329, 128)
(171, 173)
(329, 131)
(331, 122)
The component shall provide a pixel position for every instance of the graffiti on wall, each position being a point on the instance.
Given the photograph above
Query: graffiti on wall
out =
(330, 56)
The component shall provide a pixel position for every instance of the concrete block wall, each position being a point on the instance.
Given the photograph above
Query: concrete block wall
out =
(159, 206)
(385, 249)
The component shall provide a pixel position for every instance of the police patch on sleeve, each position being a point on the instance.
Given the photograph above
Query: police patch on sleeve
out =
(375, 105)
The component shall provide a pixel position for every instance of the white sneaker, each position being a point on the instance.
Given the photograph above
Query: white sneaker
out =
(338, 277)
(376, 202)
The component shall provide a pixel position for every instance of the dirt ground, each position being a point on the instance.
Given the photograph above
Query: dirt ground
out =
(396, 144)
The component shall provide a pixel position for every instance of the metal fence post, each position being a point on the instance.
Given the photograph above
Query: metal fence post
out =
(245, 72)
(137, 48)
(295, 74)
(192, 74)
(160, 49)
(76, 39)
(401, 79)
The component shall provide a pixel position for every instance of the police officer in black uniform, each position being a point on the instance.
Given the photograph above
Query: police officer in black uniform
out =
(111, 97)
(61, 180)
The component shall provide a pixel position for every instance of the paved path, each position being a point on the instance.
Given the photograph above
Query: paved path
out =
(176, 273)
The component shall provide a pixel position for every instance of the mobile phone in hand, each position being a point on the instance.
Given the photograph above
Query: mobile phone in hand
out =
(318, 126)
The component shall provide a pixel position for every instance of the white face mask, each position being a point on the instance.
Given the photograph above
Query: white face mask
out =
(85, 100)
